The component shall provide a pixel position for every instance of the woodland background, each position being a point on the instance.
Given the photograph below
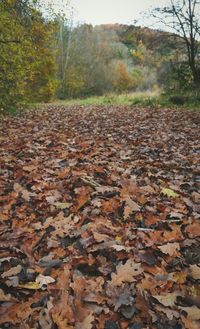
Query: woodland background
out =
(43, 57)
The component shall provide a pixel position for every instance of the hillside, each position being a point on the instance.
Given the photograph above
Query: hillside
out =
(155, 40)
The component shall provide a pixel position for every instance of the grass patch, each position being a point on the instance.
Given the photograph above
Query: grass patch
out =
(108, 99)
(143, 99)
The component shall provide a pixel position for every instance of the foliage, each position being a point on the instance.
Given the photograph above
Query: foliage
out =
(104, 59)
(26, 59)
(179, 79)
(123, 81)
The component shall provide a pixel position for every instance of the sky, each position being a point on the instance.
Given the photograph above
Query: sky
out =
(112, 11)
(107, 11)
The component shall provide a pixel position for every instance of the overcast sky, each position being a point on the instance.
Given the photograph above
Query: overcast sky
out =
(107, 11)
(111, 11)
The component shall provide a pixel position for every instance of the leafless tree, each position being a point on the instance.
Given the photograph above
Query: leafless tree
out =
(183, 18)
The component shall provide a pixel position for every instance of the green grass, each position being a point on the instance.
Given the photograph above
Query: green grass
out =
(108, 99)
(145, 99)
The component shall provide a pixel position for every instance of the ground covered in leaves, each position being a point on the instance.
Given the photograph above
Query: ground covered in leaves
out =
(100, 219)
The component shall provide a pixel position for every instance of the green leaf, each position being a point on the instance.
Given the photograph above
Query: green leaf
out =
(169, 193)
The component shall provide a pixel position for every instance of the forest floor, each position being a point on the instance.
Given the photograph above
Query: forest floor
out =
(100, 218)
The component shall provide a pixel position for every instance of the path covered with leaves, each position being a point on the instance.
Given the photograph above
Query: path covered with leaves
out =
(100, 219)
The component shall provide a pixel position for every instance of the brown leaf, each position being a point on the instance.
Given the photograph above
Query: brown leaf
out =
(189, 324)
(130, 207)
(30, 168)
(193, 230)
(167, 300)
(193, 312)
(6, 297)
(13, 271)
(194, 272)
(170, 249)
(126, 272)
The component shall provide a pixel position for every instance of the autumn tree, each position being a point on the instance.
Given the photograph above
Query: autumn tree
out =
(87, 57)
(183, 18)
(27, 68)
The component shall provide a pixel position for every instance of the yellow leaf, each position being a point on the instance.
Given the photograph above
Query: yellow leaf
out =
(30, 285)
(62, 205)
(169, 193)
(118, 238)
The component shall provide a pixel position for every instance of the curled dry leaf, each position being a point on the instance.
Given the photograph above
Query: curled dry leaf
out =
(12, 272)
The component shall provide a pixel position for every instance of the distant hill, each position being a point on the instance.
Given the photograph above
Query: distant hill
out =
(154, 40)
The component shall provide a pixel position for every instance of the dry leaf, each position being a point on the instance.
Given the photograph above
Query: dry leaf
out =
(167, 300)
(130, 207)
(193, 312)
(13, 271)
(169, 193)
(126, 272)
(193, 230)
(194, 272)
(43, 280)
(170, 249)
(7, 297)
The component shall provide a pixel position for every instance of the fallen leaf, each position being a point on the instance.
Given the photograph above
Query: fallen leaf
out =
(194, 272)
(126, 272)
(189, 324)
(193, 230)
(193, 312)
(30, 285)
(62, 205)
(170, 249)
(130, 207)
(43, 280)
(171, 314)
(167, 300)
(86, 323)
(13, 271)
(6, 297)
(169, 193)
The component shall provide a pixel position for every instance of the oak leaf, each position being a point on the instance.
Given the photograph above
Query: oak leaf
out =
(167, 300)
(170, 249)
(126, 272)
(130, 207)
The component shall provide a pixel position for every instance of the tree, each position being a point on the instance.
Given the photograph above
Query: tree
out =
(183, 17)
(27, 68)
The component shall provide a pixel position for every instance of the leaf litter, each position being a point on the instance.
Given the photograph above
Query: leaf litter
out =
(100, 219)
